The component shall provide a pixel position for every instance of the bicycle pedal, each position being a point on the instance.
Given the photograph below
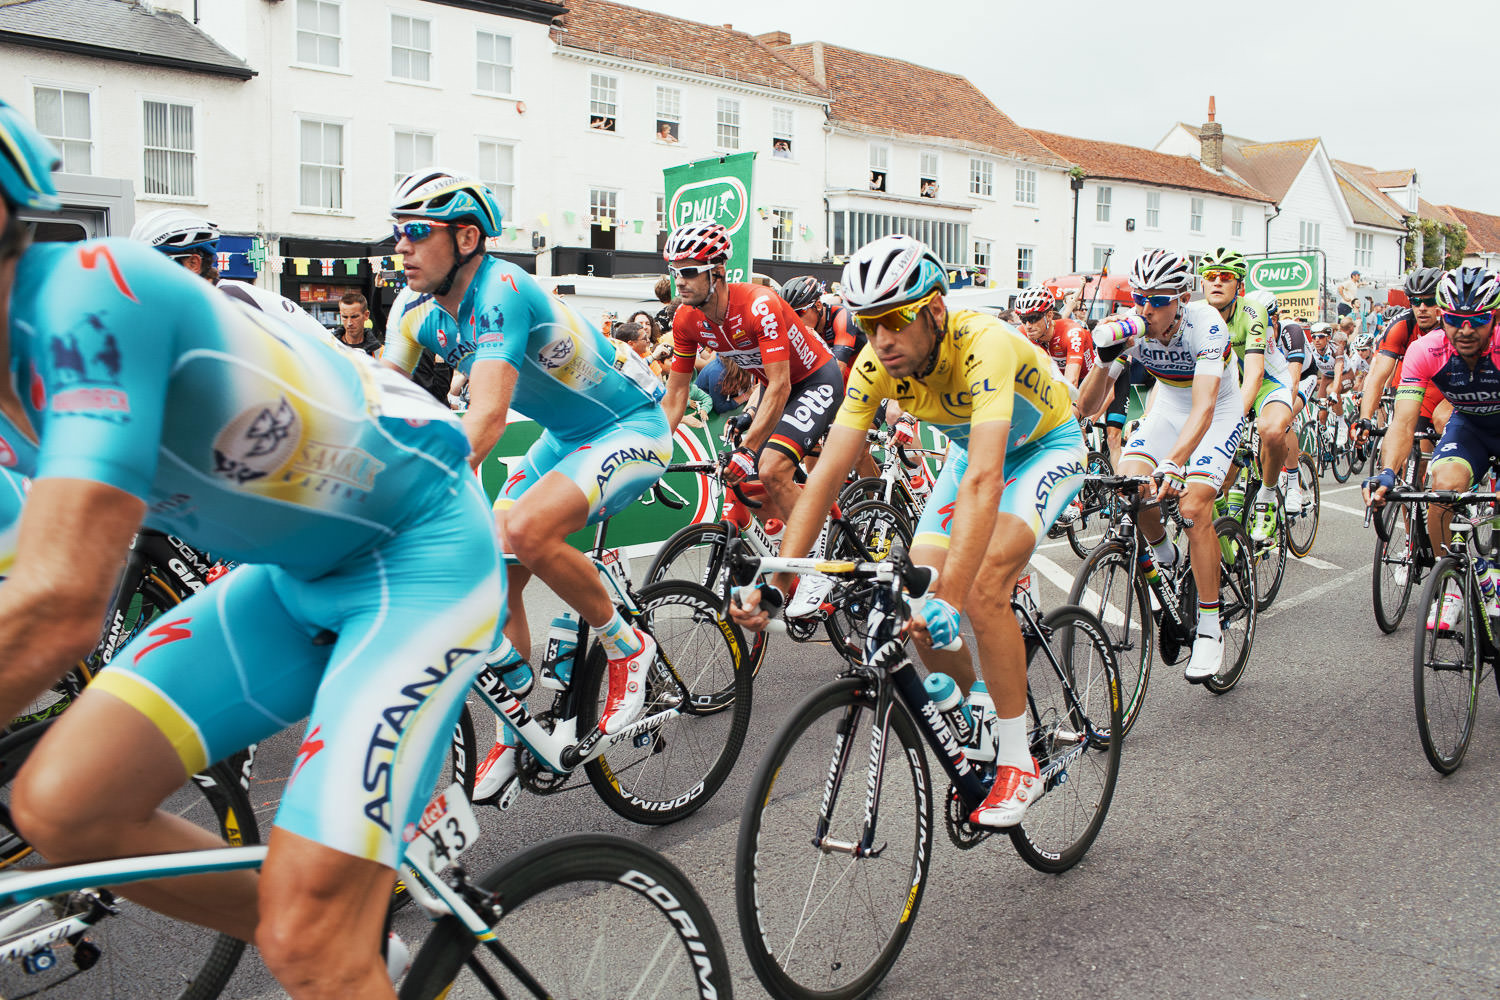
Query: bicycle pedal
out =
(508, 794)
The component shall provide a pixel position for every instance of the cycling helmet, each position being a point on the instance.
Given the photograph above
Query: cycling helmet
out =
(1424, 281)
(1034, 300)
(803, 292)
(1161, 269)
(704, 242)
(27, 160)
(1266, 300)
(1223, 259)
(174, 231)
(1469, 290)
(1364, 341)
(446, 195)
(891, 272)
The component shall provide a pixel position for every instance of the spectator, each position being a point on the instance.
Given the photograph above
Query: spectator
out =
(664, 132)
(1348, 291)
(929, 189)
(357, 330)
(638, 338)
(781, 149)
(646, 322)
(663, 290)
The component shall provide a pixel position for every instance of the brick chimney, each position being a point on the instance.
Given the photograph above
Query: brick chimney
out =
(1211, 140)
(775, 39)
(819, 69)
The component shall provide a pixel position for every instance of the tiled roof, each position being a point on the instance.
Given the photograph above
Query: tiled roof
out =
(118, 29)
(1438, 213)
(646, 36)
(1484, 230)
(1113, 161)
(1367, 205)
(1270, 166)
(887, 95)
(1392, 178)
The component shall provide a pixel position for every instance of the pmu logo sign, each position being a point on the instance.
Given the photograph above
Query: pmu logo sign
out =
(717, 199)
(1283, 274)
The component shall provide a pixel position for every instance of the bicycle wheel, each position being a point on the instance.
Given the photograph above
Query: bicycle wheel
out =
(662, 775)
(1108, 586)
(877, 527)
(693, 553)
(827, 924)
(1302, 527)
(134, 951)
(1268, 557)
(1445, 666)
(1078, 769)
(1237, 604)
(1343, 451)
(587, 915)
(1392, 571)
(1087, 532)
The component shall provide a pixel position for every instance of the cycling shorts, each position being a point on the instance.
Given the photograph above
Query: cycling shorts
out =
(1114, 416)
(808, 413)
(1041, 479)
(238, 662)
(1163, 423)
(1272, 391)
(611, 469)
(1308, 388)
(1468, 441)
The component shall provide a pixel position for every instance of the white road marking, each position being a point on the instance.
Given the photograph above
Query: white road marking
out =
(1063, 580)
(1313, 593)
(1317, 563)
(1330, 505)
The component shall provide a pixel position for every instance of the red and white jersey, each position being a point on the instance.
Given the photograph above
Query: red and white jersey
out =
(1071, 342)
(759, 328)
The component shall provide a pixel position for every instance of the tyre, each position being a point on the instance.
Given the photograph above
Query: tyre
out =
(1076, 741)
(156, 955)
(1302, 527)
(693, 553)
(1269, 557)
(831, 925)
(877, 527)
(1087, 532)
(1237, 604)
(1393, 573)
(1343, 451)
(873, 488)
(662, 775)
(584, 916)
(1445, 667)
(1108, 586)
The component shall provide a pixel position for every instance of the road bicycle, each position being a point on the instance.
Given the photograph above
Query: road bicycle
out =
(1403, 552)
(833, 857)
(1095, 508)
(905, 479)
(1238, 500)
(1141, 603)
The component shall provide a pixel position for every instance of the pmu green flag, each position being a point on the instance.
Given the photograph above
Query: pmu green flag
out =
(1293, 277)
(718, 190)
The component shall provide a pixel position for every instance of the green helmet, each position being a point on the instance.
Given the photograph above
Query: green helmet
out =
(1224, 259)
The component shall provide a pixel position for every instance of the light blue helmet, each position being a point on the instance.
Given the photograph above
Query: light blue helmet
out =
(27, 160)
(892, 271)
(446, 195)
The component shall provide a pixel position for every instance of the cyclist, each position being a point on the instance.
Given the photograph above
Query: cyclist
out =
(1422, 317)
(1017, 460)
(1067, 341)
(147, 397)
(1463, 362)
(1292, 342)
(604, 442)
(1265, 385)
(1321, 362)
(1192, 428)
(752, 326)
(834, 324)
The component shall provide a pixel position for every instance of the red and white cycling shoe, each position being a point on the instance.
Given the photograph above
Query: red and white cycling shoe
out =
(1013, 791)
(627, 686)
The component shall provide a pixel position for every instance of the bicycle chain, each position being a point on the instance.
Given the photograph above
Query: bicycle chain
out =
(965, 835)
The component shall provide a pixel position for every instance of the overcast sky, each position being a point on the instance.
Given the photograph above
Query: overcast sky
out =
(1381, 82)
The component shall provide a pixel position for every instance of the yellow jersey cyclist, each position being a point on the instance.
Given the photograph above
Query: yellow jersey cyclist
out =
(370, 582)
(605, 439)
(1016, 459)
(1189, 433)
(1265, 376)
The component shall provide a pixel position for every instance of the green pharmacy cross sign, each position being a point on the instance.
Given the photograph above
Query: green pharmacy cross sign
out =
(716, 190)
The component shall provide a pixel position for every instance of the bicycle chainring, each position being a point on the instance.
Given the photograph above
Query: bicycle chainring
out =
(802, 629)
(535, 778)
(965, 835)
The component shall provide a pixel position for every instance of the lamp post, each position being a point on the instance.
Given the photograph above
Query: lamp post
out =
(1075, 181)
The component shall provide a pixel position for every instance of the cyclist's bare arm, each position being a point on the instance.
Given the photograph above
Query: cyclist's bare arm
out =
(974, 510)
(1255, 370)
(491, 385)
(1398, 437)
(1382, 366)
(676, 399)
(1096, 385)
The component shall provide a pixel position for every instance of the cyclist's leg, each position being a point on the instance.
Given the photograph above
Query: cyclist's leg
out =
(806, 417)
(1205, 473)
(1273, 419)
(1152, 440)
(1463, 450)
(543, 455)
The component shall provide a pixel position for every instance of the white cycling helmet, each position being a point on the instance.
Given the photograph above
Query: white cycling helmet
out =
(1034, 300)
(1161, 270)
(1364, 341)
(891, 272)
(1266, 300)
(176, 231)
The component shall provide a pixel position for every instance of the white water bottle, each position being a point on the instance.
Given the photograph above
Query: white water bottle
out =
(562, 639)
(943, 691)
(982, 710)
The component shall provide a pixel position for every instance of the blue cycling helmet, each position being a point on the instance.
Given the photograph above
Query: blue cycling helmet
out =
(1469, 290)
(446, 195)
(890, 272)
(27, 160)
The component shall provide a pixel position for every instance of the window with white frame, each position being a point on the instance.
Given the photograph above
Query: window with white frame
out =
(1101, 254)
(1309, 235)
(320, 164)
(1103, 198)
(848, 231)
(783, 233)
(494, 63)
(668, 114)
(1026, 186)
(413, 150)
(603, 91)
(1153, 209)
(63, 116)
(1237, 220)
(171, 149)
(727, 124)
(1364, 249)
(880, 165)
(981, 177)
(320, 33)
(982, 251)
(603, 204)
(783, 121)
(1195, 214)
(497, 169)
(1025, 262)
(928, 175)
(411, 48)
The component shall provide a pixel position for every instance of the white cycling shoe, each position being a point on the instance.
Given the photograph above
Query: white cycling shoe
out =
(627, 686)
(1207, 658)
(495, 779)
(811, 590)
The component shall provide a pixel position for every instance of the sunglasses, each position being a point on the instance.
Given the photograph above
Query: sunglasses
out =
(689, 270)
(1032, 317)
(1424, 300)
(1477, 320)
(1220, 276)
(1154, 301)
(894, 320)
(416, 231)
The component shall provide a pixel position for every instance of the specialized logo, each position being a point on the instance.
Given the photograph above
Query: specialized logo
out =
(165, 633)
(257, 443)
(309, 749)
(90, 255)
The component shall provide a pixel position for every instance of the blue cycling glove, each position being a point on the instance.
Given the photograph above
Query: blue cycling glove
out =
(1387, 478)
(941, 619)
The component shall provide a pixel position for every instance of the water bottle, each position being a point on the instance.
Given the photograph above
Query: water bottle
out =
(1235, 500)
(1489, 586)
(920, 486)
(775, 528)
(562, 640)
(982, 711)
(955, 711)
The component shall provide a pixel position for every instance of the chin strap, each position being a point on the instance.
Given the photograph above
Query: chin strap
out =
(937, 345)
(458, 262)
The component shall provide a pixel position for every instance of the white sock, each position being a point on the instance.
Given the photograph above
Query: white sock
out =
(1010, 743)
(1266, 494)
(1164, 551)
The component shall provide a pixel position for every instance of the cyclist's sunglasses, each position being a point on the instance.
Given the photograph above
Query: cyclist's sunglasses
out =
(1154, 301)
(1032, 317)
(1477, 320)
(1220, 276)
(896, 319)
(1424, 300)
(689, 270)
(416, 231)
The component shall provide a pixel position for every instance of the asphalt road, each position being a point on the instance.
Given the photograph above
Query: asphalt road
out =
(1287, 839)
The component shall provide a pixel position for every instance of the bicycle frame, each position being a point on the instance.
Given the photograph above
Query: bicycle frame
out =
(1124, 530)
